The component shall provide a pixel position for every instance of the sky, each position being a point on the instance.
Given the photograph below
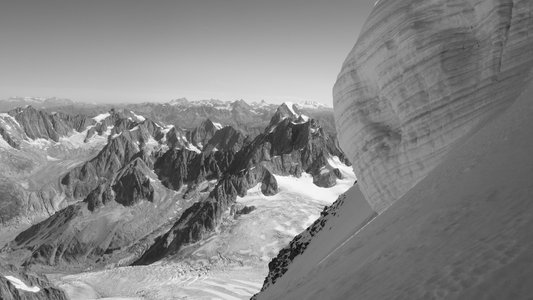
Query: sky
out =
(158, 50)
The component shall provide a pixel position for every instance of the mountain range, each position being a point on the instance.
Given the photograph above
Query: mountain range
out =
(117, 189)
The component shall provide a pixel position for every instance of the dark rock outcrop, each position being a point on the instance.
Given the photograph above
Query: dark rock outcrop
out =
(132, 185)
(327, 178)
(244, 210)
(269, 185)
(200, 135)
(226, 139)
(176, 138)
(179, 166)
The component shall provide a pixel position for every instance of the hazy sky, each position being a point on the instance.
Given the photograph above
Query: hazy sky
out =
(130, 50)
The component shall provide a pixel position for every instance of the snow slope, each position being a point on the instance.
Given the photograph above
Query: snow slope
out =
(463, 232)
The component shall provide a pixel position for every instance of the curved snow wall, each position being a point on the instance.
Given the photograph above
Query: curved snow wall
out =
(423, 74)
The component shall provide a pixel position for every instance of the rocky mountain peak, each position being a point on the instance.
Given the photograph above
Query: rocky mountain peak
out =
(133, 184)
(227, 139)
(200, 135)
(240, 105)
(288, 112)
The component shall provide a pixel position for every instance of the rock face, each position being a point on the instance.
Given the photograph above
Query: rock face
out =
(269, 185)
(421, 76)
(228, 139)
(83, 179)
(180, 166)
(200, 135)
(132, 185)
(40, 124)
(29, 124)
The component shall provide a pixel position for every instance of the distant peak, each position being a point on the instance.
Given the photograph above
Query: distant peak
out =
(180, 101)
(289, 109)
(311, 105)
(241, 103)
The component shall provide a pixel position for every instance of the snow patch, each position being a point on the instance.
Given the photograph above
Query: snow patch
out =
(191, 147)
(218, 126)
(311, 104)
(305, 187)
(167, 129)
(19, 285)
(116, 135)
(139, 118)
(101, 117)
(39, 143)
(290, 106)
(347, 172)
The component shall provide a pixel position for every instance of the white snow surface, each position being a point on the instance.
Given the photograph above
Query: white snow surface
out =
(39, 143)
(138, 117)
(305, 187)
(101, 117)
(311, 105)
(77, 139)
(218, 126)
(290, 107)
(171, 281)
(20, 285)
(463, 232)
(193, 148)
